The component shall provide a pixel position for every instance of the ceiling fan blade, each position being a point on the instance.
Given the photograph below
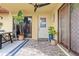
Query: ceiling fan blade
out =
(35, 9)
(41, 5)
(36, 5)
(32, 4)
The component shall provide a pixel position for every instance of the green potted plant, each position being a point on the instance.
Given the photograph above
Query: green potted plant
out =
(52, 33)
(19, 21)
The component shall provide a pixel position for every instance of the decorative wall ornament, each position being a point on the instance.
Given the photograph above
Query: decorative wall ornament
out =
(1, 17)
(54, 17)
(1, 25)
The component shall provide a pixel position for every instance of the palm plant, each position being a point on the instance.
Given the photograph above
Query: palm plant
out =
(19, 20)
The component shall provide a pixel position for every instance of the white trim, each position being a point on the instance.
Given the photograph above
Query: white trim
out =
(63, 50)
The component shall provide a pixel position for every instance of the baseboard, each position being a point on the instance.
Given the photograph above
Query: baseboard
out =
(42, 39)
(66, 51)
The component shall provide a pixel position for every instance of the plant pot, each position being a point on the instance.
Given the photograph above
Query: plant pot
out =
(21, 37)
(51, 37)
(53, 42)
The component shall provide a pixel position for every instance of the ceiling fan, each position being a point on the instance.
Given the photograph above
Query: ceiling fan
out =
(38, 5)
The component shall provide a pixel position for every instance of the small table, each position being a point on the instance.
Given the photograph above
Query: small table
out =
(1, 36)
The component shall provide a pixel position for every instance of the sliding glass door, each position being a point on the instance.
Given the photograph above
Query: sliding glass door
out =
(75, 27)
(64, 25)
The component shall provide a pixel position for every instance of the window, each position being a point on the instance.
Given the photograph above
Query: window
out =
(43, 22)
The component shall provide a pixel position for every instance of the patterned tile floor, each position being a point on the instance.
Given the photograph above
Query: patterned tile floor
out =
(35, 48)
(7, 47)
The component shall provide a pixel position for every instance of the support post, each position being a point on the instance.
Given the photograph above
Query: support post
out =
(10, 38)
(0, 41)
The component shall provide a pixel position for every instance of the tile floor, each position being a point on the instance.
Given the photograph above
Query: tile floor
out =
(8, 47)
(35, 48)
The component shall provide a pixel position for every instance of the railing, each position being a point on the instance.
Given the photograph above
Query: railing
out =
(5, 37)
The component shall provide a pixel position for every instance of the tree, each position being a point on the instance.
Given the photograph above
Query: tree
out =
(19, 20)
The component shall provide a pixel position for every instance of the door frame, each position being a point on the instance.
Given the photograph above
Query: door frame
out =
(31, 25)
(59, 41)
(39, 24)
(69, 48)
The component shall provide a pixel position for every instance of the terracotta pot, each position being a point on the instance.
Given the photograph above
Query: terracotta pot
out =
(53, 42)
(21, 37)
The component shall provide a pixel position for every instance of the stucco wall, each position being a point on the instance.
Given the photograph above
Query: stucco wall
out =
(35, 22)
(7, 22)
(52, 18)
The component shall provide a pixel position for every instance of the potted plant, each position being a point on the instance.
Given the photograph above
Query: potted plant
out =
(19, 21)
(52, 33)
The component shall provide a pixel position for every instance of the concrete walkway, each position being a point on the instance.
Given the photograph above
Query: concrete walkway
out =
(35, 48)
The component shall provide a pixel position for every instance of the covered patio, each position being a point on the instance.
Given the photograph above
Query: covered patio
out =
(37, 18)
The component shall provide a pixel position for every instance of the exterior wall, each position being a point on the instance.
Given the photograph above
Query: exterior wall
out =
(35, 22)
(34, 26)
(48, 20)
(7, 22)
(52, 20)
